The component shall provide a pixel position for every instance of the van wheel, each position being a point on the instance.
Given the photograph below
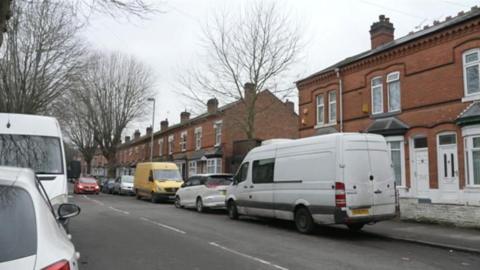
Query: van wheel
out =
(232, 210)
(355, 227)
(304, 221)
(199, 205)
(178, 204)
(137, 195)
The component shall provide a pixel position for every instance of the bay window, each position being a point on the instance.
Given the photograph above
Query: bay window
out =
(472, 160)
(214, 165)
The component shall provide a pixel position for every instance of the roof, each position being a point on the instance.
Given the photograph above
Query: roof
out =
(471, 115)
(437, 26)
(28, 124)
(387, 126)
(10, 175)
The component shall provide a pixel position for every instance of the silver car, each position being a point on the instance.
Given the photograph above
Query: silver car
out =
(32, 235)
(123, 185)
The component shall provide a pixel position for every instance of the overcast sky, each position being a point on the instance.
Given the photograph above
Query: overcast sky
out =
(170, 41)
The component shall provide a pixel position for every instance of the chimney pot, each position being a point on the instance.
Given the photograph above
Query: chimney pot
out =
(184, 116)
(381, 32)
(136, 135)
(127, 138)
(149, 130)
(164, 125)
(212, 105)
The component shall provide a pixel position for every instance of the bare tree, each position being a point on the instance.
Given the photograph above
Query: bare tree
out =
(5, 14)
(40, 56)
(114, 91)
(138, 8)
(255, 48)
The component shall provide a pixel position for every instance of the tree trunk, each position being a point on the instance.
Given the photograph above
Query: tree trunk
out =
(89, 166)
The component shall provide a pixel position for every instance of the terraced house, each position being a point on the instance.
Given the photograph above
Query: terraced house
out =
(421, 92)
(214, 141)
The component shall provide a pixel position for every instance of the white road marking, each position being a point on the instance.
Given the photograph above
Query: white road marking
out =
(93, 200)
(118, 210)
(248, 256)
(163, 225)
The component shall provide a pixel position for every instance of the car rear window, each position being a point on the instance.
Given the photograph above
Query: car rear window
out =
(18, 230)
(88, 180)
(219, 180)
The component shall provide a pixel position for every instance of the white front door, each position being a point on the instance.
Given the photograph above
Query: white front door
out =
(448, 168)
(420, 172)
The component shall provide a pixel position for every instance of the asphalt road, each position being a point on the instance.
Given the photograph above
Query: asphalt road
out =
(120, 232)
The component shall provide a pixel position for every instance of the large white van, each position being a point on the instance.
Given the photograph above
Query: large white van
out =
(341, 178)
(35, 142)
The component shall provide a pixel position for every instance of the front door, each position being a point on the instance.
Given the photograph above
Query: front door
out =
(448, 168)
(420, 172)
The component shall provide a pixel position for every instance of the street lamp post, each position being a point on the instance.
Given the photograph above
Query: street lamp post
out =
(153, 124)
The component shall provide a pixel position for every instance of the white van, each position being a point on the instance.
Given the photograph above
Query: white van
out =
(341, 178)
(35, 142)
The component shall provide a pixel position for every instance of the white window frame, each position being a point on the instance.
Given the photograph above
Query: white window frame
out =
(192, 168)
(160, 147)
(198, 138)
(170, 144)
(218, 132)
(215, 164)
(402, 156)
(381, 93)
(394, 77)
(469, 158)
(467, 96)
(332, 104)
(183, 141)
(319, 106)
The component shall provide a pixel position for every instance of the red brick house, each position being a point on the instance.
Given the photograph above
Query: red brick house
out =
(205, 143)
(420, 91)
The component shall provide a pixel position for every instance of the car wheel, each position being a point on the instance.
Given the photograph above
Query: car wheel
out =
(178, 203)
(232, 210)
(304, 221)
(355, 227)
(199, 205)
(137, 195)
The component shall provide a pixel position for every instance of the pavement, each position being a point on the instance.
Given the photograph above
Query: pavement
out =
(120, 232)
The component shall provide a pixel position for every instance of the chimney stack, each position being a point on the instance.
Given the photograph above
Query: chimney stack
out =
(164, 125)
(127, 138)
(290, 105)
(381, 32)
(212, 105)
(136, 135)
(184, 116)
(149, 130)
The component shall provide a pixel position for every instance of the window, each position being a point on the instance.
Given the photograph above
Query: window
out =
(320, 112)
(214, 165)
(198, 138)
(242, 173)
(377, 95)
(218, 132)
(262, 171)
(472, 157)
(332, 107)
(170, 144)
(183, 141)
(160, 147)
(420, 142)
(397, 156)
(192, 168)
(393, 85)
(471, 69)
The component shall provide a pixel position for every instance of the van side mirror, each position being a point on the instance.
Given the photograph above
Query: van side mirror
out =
(183, 185)
(68, 210)
(235, 180)
(150, 178)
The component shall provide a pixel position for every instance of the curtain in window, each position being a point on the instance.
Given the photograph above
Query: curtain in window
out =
(476, 167)
(377, 100)
(394, 96)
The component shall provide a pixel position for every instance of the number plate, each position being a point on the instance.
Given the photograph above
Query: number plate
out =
(362, 211)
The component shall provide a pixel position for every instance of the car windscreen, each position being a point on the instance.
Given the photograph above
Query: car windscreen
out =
(219, 180)
(18, 230)
(167, 175)
(127, 179)
(41, 154)
(88, 180)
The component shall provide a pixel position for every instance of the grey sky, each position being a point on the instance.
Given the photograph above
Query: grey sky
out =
(171, 41)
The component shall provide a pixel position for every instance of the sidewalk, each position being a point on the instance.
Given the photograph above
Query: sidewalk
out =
(429, 234)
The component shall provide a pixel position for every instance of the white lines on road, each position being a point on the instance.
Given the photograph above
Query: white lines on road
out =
(248, 256)
(93, 200)
(163, 225)
(118, 210)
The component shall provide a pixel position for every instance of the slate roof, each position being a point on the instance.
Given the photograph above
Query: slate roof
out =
(388, 126)
(470, 115)
(461, 17)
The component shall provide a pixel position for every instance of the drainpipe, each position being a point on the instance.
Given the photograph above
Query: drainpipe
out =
(340, 89)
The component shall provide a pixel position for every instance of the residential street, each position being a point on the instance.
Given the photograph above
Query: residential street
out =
(119, 232)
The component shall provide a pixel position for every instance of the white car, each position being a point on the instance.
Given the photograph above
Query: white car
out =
(203, 191)
(123, 185)
(31, 234)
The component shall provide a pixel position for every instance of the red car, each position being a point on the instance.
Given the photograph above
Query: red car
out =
(86, 185)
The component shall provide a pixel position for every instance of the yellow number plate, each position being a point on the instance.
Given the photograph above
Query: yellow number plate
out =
(363, 211)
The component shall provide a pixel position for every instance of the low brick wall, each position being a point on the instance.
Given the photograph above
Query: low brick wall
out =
(451, 214)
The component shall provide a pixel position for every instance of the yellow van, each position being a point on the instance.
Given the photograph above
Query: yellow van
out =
(157, 181)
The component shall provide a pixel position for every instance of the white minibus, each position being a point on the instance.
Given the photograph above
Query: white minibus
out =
(35, 142)
(341, 178)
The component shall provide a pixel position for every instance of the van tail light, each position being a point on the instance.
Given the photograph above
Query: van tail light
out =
(340, 196)
(60, 265)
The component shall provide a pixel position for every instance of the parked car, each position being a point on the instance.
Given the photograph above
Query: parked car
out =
(206, 191)
(157, 181)
(101, 182)
(86, 185)
(123, 185)
(108, 186)
(32, 235)
(342, 178)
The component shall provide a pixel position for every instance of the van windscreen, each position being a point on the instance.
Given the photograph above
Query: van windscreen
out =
(167, 175)
(41, 154)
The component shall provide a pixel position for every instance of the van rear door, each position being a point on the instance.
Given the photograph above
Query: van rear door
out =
(357, 173)
(383, 177)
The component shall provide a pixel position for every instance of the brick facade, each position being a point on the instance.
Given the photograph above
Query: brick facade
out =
(432, 97)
